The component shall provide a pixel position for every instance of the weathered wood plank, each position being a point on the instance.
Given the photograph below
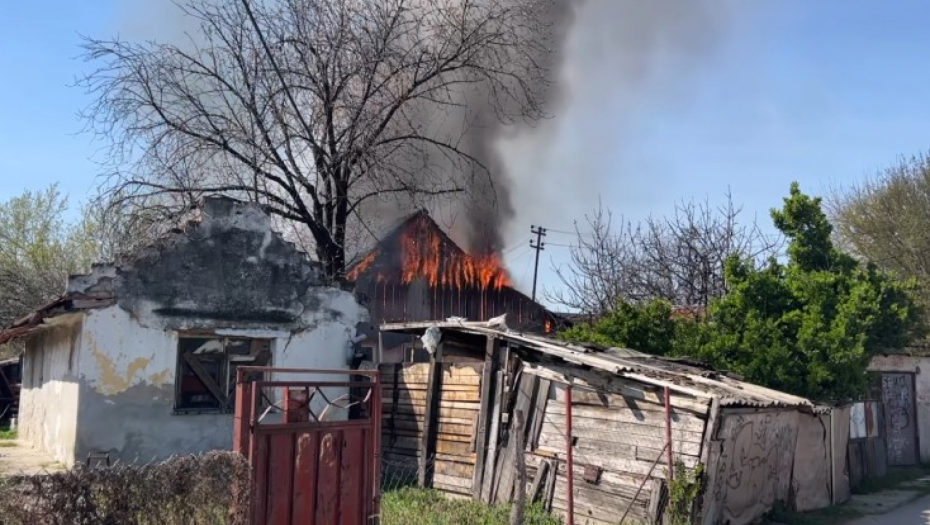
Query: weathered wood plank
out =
(538, 412)
(680, 420)
(590, 448)
(428, 444)
(610, 477)
(484, 414)
(456, 468)
(457, 484)
(554, 424)
(588, 455)
(526, 392)
(408, 396)
(487, 483)
(627, 387)
(452, 409)
(603, 503)
(623, 443)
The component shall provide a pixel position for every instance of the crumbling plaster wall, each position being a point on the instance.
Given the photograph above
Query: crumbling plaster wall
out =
(811, 477)
(230, 275)
(49, 398)
(749, 467)
(920, 367)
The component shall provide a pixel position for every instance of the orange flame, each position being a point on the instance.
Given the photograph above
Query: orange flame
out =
(424, 257)
(547, 326)
(362, 266)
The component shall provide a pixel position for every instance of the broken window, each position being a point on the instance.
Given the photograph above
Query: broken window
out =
(207, 367)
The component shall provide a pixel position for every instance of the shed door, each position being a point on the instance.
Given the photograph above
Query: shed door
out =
(900, 418)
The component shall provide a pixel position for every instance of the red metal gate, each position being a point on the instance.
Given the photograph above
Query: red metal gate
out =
(314, 446)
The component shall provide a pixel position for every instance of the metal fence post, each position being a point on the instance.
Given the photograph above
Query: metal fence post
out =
(668, 435)
(570, 464)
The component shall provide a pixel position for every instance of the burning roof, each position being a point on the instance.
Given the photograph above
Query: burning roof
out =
(426, 252)
(416, 272)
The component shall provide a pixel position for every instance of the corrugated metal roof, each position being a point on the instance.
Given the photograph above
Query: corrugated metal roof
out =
(681, 375)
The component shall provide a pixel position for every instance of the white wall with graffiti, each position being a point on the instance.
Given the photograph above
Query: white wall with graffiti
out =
(750, 465)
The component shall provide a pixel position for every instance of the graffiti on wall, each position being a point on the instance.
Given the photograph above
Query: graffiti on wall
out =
(754, 466)
(897, 396)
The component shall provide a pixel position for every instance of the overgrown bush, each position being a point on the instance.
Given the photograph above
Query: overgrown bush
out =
(193, 490)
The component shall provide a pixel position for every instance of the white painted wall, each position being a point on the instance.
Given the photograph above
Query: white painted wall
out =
(920, 367)
(49, 397)
(128, 372)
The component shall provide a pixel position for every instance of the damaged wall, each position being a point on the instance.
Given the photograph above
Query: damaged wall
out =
(750, 465)
(811, 479)
(920, 367)
(230, 275)
(49, 398)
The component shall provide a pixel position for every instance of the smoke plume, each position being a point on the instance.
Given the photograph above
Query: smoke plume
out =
(608, 60)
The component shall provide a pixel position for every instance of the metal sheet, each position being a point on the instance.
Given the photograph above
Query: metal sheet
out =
(308, 472)
(900, 418)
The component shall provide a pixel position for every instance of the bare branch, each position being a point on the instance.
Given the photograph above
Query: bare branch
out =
(679, 258)
(311, 107)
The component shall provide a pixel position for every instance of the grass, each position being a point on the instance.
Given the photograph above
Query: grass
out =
(6, 434)
(430, 507)
(896, 477)
(827, 516)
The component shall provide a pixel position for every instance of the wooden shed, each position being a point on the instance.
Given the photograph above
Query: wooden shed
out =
(455, 424)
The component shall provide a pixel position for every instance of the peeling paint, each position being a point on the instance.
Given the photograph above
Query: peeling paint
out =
(112, 382)
(203, 282)
(160, 378)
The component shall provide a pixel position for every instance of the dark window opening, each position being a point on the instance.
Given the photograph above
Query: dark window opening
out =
(207, 369)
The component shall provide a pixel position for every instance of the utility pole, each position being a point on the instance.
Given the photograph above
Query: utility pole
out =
(539, 246)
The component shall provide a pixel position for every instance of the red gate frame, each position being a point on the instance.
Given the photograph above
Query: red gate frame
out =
(246, 426)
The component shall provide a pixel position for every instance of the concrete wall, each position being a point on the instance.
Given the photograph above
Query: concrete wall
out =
(811, 479)
(229, 275)
(49, 398)
(920, 367)
(750, 465)
(127, 383)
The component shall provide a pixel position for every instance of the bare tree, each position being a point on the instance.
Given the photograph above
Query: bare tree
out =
(313, 107)
(679, 258)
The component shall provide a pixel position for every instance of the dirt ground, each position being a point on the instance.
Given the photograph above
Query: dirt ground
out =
(17, 458)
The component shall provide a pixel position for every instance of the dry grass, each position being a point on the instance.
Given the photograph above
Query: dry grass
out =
(210, 489)
(429, 507)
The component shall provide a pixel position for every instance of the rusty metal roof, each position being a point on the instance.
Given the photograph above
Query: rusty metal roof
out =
(36, 319)
(681, 375)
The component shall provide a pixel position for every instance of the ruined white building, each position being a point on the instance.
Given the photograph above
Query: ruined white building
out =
(138, 359)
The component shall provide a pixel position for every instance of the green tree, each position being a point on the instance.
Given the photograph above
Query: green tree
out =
(39, 248)
(811, 324)
(808, 325)
(647, 327)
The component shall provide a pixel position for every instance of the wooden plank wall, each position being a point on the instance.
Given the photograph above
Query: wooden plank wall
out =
(618, 429)
(404, 422)
(617, 439)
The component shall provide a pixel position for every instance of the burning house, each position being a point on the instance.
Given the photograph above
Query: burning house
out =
(417, 273)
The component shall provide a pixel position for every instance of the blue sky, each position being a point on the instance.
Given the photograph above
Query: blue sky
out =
(823, 92)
